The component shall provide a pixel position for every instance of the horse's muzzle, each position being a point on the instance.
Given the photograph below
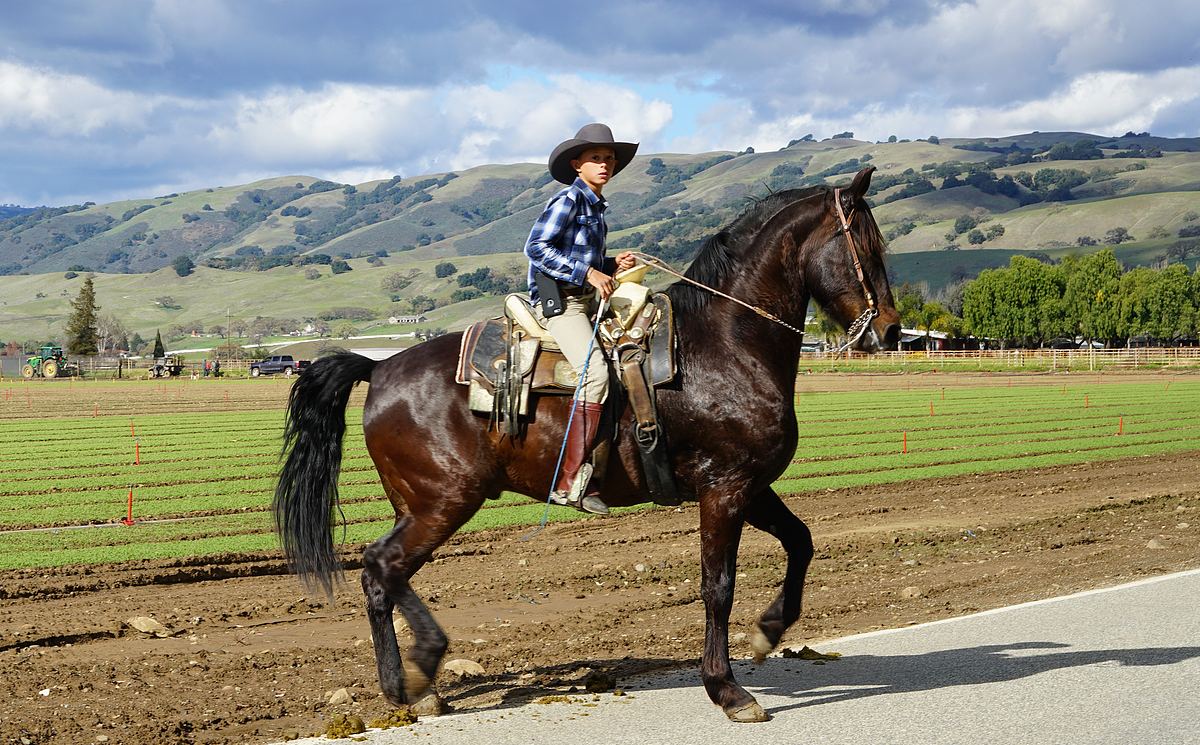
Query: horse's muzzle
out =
(882, 336)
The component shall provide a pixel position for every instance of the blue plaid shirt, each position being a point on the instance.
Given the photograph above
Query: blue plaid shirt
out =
(568, 238)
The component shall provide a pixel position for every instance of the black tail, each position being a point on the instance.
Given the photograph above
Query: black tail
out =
(312, 441)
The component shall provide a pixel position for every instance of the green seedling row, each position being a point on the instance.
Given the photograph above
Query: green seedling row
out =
(216, 471)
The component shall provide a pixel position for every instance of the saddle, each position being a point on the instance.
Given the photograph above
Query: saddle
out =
(505, 360)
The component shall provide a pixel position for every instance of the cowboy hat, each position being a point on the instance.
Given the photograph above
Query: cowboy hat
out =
(591, 135)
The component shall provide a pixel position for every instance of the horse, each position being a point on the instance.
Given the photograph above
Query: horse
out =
(728, 418)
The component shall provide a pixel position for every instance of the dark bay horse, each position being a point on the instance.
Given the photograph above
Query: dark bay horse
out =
(729, 420)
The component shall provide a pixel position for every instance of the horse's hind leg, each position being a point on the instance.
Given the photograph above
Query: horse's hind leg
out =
(387, 566)
(768, 513)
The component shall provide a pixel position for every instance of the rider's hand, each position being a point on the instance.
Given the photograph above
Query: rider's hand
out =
(625, 260)
(603, 283)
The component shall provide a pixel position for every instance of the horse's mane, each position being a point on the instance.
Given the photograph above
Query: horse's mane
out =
(718, 256)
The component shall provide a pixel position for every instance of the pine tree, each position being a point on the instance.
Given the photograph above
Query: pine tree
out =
(158, 345)
(81, 326)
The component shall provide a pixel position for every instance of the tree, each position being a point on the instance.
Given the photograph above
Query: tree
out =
(339, 266)
(964, 223)
(183, 265)
(396, 282)
(445, 269)
(109, 331)
(891, 138)
(976, 237)
(422, 304)
(933, 316)
(826, 326)
(909, 300)
(1117, 236)
(159, 350)
(1091, 294)
(81, 326)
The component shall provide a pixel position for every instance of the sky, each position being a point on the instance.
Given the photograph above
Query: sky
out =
(116, 99)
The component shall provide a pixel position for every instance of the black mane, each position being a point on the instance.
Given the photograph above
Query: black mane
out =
(718, 256)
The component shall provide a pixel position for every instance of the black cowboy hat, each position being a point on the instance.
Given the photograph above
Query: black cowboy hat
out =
(591, 135)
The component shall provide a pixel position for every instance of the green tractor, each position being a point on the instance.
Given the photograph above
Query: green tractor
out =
(49, 362)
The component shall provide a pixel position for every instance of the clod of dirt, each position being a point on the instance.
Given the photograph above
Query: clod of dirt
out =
(398, 718)
(556, 699)
(912, 592)
(147, 625)
(465, 668)
(1154, 544)
(808, 653)
(598, 682)
(344, 725)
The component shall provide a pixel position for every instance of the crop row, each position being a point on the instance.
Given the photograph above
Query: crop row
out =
(217, 470)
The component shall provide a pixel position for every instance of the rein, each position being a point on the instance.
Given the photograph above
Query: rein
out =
(856, 330)
(660, 264)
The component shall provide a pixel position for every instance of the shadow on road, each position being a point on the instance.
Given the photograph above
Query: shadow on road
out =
(860, 676)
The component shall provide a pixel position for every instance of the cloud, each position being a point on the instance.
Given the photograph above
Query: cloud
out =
(340, 131)
(1099, 103)
(46, 102)
(98, 99)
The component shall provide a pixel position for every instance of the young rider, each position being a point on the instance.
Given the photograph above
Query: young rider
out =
(566, 247)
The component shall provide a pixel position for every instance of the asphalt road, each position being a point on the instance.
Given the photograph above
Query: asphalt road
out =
(1120, 665)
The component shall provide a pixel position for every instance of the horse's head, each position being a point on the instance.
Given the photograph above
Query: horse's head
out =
(845, 273)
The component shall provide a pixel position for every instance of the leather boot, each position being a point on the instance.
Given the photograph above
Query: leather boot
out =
(572, 487)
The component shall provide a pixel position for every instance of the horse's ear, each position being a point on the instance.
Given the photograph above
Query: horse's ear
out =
(861, 182)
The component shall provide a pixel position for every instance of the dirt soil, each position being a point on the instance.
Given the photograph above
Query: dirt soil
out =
(248, 657)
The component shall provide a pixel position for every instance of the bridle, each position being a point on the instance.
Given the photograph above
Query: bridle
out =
(856, 330)
(863, 322)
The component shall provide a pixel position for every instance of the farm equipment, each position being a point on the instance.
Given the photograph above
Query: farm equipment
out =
(166, 367)
(49, 362)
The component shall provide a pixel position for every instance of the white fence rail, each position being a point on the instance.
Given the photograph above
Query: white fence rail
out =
(1016, 359)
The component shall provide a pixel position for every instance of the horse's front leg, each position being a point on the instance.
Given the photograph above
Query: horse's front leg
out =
(720, 534)
(768, 513)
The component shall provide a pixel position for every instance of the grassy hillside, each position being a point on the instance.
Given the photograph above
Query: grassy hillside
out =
(664, 204)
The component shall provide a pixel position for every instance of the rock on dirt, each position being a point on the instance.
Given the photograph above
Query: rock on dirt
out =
(465, 668)
(339, 697)
(148, 625)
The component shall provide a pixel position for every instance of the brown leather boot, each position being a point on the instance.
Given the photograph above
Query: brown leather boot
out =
(573, 479)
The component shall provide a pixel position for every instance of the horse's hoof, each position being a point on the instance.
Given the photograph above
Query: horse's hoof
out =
(416, 683)
(430, 706)
(761, 646)
(747, 713)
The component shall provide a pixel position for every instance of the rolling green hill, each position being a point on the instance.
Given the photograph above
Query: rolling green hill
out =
(251, 242)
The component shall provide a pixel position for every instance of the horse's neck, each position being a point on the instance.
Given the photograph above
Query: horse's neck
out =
(732, 338)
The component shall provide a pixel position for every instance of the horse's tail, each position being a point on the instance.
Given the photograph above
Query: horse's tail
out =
(312, 442)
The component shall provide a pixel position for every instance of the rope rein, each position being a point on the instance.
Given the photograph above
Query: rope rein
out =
(662, 265)
(856, 330)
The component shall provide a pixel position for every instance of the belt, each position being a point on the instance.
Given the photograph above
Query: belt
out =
(574, 291)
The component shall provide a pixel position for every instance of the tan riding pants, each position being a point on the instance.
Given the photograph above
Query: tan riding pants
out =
(573, 332)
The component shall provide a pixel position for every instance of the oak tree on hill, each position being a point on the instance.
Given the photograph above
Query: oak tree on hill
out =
(183, 265)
